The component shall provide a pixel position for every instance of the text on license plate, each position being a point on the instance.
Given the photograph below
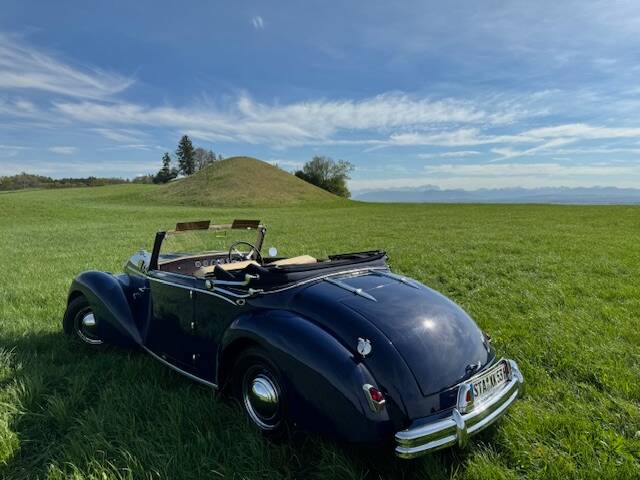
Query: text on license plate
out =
(486, 384)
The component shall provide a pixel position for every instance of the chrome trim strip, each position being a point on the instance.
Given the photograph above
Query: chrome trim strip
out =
(400, 278)
(349, 288)
(173, 367)
(165, 282)
(457, 428)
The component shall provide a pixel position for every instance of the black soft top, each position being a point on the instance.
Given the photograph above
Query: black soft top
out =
(271, 277)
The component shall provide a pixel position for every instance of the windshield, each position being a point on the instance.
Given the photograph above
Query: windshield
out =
(200, 237)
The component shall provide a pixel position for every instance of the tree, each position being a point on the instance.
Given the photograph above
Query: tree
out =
(166, 173)
(203, 158)
(327, 174)
(186, 156)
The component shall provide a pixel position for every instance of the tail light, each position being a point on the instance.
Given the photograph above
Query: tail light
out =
(375, 398)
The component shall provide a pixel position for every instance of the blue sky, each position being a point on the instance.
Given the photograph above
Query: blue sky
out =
(460, 94)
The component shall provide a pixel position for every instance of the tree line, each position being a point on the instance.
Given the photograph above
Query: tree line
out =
(26, 180)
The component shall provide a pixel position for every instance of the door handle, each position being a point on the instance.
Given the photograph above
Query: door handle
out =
(141, 291)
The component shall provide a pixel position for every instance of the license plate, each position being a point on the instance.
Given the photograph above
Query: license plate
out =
(489, 382)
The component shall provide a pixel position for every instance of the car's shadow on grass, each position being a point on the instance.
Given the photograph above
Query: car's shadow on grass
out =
(75, 410)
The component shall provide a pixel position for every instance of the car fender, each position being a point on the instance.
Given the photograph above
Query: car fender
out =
(107, 295)
(323, 379)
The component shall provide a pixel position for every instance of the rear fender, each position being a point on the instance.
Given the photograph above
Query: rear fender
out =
(107, 295)
(323, 379)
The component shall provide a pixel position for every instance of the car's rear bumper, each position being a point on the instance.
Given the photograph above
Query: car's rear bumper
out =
(424, 436)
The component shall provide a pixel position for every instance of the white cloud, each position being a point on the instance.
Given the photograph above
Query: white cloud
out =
(7, 151)
(299, 123)
(507, 153)
(120, 135)
(13, 147)
(454, 154)
(63, 150)
(258, 22)
(25, 67)
(137, 146)
(582, 131)
(454, 138)
(460, 154)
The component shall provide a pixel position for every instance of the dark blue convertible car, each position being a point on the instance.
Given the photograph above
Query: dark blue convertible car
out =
(339, 345)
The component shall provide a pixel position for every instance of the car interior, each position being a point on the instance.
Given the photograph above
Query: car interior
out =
(243, 257)
(205, 264)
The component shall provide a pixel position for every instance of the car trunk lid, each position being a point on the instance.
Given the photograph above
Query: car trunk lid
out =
(438, 340)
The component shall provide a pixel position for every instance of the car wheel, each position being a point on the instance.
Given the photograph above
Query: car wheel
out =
(257, 385)
(80, 321)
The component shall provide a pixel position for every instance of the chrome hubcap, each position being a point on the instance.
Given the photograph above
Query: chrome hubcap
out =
(89, 320)
(262, 400)
(86, 328)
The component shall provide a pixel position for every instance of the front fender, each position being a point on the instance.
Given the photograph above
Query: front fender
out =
(323, 379)
(105, 293)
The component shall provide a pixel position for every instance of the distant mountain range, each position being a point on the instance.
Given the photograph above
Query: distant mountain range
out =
(566, 195)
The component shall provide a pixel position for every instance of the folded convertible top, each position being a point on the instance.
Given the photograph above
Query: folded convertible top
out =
(279, 276)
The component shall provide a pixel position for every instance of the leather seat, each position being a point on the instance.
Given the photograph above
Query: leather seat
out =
(300, 260)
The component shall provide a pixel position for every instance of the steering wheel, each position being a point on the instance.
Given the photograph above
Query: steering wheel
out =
(247, 256)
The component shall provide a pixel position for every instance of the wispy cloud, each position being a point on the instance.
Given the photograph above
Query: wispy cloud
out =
(257, 22)
(454, 154)
(8, 151)
(120, 135)
(60, 150)
(583, 131)
(309, 122)
(462, 137)
(24, 67)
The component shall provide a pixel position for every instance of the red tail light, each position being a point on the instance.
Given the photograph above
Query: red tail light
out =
(374, 397)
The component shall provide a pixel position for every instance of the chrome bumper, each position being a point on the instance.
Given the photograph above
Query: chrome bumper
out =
(423, 438)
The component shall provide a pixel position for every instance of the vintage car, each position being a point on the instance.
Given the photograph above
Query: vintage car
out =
(340, 346)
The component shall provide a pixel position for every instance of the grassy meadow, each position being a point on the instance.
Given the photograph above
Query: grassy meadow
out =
(556, 287)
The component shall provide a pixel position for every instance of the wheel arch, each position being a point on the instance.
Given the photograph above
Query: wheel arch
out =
(109, 302)
(73, 294)
(227, 358)
(322, 376)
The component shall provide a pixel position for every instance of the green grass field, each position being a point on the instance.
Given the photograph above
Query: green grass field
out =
(555, 286)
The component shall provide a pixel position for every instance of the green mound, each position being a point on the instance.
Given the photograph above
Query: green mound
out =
(241, 181)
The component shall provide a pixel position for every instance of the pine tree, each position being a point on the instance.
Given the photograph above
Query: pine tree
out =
(166, 173)
(186, 156)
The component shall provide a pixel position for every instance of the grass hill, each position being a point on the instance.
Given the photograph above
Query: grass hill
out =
(241, 181)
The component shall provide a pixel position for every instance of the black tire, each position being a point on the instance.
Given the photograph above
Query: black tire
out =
(254, 370)
(73, 321)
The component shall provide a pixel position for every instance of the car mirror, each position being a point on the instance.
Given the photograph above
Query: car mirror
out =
(273, 251)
